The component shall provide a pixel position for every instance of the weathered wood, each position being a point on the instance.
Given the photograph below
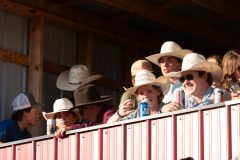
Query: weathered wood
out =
(176, 21)
(13, 57)
(35, 70)
(86, 49)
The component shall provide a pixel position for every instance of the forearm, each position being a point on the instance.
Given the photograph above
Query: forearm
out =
(114, 118)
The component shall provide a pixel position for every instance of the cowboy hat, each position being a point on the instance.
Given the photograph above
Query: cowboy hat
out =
(169, 48)
(60, 105)
(145, 77)
(198, 62)
(140, 65)
(78, 75)
(88, 94)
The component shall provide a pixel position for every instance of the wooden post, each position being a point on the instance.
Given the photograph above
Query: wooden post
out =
(86, 49)
(35, 74)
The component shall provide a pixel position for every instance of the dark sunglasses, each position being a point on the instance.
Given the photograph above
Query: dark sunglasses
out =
(238, 68)
(188, 77)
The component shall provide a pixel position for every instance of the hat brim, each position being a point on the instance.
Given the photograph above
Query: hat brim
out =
(161, 82)
(102, 99)
(155, 57)
(50, 115)
(63, 82)
(214, 69)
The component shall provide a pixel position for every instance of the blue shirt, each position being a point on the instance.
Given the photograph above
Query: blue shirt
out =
(10, 131)
(208, 98)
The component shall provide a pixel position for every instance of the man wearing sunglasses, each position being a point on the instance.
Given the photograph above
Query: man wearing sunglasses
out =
(197, 76)
(170, 60)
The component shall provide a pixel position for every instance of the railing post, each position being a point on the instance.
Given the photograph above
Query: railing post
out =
(55, 143)
(229, 133)
(33, 150)
(13, 152)
(174, 137)
(77, 147)
(100, 144)
(201, 135)
(148, 140)
(124, 139)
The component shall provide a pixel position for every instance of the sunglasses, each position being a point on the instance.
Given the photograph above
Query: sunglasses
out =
(188, 77)
(238, 68)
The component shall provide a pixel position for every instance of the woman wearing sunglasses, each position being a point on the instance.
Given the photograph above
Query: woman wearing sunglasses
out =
(197, 76)
(146, 87)
(231, 73)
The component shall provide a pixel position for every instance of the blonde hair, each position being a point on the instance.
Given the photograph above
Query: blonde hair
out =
(229, 67)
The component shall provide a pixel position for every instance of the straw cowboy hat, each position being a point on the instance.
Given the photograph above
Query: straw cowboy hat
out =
(60, 105)
(78, 75)
(169, 48)
(145, 77)
(140, 65)
(198, 62)
(88, 94)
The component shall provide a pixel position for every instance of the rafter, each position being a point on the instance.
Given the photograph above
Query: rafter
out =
(160, 14)
(230, 9)
(81, 21)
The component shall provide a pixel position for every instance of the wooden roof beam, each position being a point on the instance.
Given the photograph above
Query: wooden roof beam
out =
(230, 8)
(160, 14)
(54, 12)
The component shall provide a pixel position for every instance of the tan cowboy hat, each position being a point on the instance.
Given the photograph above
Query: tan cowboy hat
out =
(198, 62)
(78, 75)
(145, 77)
(140, 65)
(169, 48)
(88, 94)
(60, 105)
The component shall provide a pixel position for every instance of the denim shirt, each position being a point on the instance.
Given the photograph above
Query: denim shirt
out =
(208, 98)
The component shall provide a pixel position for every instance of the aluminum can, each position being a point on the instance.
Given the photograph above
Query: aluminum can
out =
(180, 97)
(218, 95)
(144, 108)
(51, 126)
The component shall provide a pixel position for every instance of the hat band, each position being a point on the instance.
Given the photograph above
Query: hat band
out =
(74, 83)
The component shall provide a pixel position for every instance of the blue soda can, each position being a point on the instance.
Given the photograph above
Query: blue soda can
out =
(144, 108)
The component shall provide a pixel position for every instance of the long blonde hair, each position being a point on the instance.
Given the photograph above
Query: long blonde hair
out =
(229, 67)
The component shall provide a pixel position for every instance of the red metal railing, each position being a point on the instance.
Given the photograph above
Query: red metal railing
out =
(211, 132)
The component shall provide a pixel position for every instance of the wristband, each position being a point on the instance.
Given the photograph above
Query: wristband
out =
(119, 116)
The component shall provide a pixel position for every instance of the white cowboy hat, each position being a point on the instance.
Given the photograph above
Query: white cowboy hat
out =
(60, 105)
(78, 75)
(145, 77)
(140, 65)
(169, 48)
(198, 62)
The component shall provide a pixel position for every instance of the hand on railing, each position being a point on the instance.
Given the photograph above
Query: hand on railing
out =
(61, 132)
(173, 106)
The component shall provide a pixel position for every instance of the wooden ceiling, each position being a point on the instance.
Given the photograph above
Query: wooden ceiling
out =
(204, 26)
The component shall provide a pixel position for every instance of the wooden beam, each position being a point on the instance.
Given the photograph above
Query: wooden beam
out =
(35, 69)
(229, 8)
(86, 49)
(71, 3)
(13, 57)
(78, 21)
(162, 15)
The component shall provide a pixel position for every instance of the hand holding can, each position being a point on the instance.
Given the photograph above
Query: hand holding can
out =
(144, 108)
(180, 97)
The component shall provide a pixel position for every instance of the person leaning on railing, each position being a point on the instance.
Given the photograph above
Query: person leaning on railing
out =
(146, 87)
(197, 76)
(231, 73)
(25, 113)
(92, 107)
(62, 115)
